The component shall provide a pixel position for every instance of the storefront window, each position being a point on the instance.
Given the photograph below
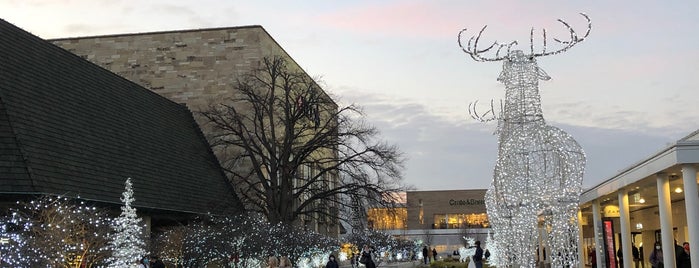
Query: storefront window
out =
(387, 219)
(460, 221)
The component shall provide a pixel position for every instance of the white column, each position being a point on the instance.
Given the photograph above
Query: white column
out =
(599, 243)
(665, 214)
(624, 221)
(581, 256)
(691, 203)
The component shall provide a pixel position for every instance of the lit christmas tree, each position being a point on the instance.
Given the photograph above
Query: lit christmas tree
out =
(491, 246)
(126, 242)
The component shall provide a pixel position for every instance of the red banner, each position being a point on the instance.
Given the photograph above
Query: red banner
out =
(609, 240)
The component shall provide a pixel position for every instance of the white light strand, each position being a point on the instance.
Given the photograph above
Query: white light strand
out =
(127, 242)
(538, 176)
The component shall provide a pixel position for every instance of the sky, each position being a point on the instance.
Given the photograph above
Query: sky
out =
(624, 93)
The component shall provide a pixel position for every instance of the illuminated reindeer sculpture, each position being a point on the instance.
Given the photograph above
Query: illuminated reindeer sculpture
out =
(532, 201)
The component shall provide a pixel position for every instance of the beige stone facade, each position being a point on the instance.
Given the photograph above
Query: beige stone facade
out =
(197, 68)
(440, 219)
(194, 67)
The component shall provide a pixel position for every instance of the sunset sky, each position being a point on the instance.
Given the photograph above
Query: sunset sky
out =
(624, 93)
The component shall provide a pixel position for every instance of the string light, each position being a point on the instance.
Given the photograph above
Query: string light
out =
(532, 201)
(126, 243)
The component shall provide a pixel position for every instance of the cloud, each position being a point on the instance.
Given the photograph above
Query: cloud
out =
(444, 153)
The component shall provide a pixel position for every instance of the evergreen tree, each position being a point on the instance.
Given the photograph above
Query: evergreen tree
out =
(126, 242)
(495, 256)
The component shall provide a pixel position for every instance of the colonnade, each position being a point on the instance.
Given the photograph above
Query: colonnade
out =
(691, 199)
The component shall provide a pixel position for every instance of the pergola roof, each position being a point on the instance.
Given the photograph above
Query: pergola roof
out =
(643, 174)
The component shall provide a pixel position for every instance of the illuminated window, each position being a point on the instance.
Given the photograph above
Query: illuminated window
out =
(421, 215)
(460, 221)
(387, 219)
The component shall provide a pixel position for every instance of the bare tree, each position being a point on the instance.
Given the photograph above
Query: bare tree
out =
(428, 237)
(292, 153)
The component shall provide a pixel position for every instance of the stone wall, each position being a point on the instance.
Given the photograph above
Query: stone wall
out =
(192, 67)
(442, 202)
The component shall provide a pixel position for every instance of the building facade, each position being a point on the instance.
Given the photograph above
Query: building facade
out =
(439, 219)
(197, 68)
(653, 201)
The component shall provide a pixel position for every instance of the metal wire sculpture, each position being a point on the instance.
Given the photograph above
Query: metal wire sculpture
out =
(532, 201)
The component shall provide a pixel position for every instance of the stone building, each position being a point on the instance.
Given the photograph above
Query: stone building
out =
(440, 219)
(193, 67)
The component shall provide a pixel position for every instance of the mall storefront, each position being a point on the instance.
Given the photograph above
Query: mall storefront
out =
(439, 219)
(655, 200)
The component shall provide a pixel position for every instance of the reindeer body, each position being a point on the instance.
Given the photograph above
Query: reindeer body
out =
(538, 174)
(532, 201)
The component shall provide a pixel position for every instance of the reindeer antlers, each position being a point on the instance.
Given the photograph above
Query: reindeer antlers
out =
(574, 39)
(472, 45)
(472, 48)
(487, 116)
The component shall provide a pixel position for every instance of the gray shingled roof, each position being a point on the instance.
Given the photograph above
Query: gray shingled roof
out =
(70, 127)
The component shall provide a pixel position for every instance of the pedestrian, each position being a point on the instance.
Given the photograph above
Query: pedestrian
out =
(434, 254)
(678, 254)
(157, 263)
(353, 260)
(139, 263)
(331, 262)
(366, 257)
(656, 257)
(146, 261)
(284, 262)
(478, 256)
(685, 261)
(636, 256)
(425, 255)
(429, 255)
(272, 262)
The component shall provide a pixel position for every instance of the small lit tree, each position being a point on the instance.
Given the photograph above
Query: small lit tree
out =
(126, 242)
(169, 244)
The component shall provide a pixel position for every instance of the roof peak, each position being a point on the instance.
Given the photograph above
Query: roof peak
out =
(160, 32)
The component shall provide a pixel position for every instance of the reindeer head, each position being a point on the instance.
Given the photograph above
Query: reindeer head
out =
(477, 54)
(518, 64)
(519, 69)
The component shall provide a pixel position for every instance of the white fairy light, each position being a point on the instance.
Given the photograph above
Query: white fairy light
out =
(126, 243)
(538, 175)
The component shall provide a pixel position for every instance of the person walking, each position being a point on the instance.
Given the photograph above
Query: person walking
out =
(685, 261)
(366, 257)
(272, 262)
(157, 263)
(478, 256)
(656, 257)
(331, 262)
(434, 254)
(139, 263)
(425, 255)
(353, 260)
(678, 254)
